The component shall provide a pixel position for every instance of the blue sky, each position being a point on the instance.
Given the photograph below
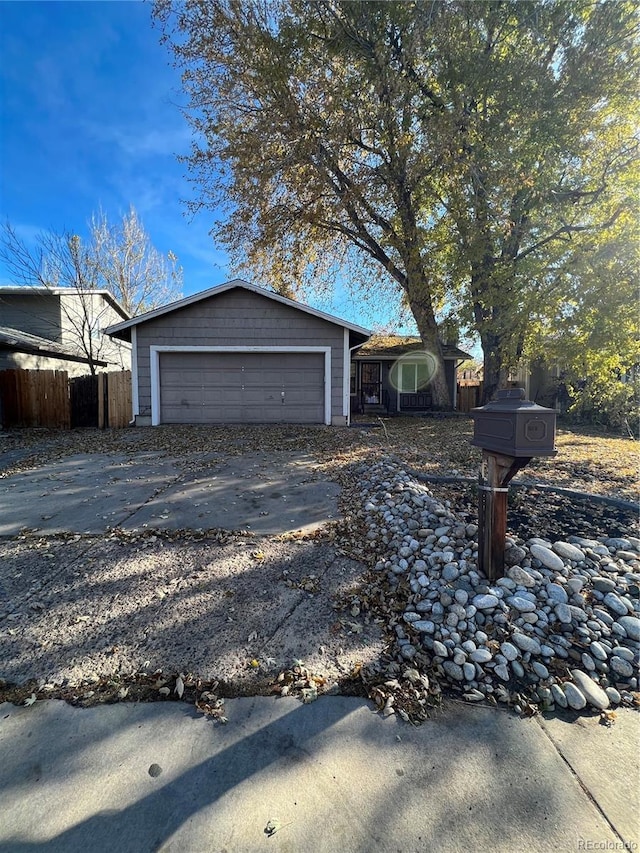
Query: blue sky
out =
(91, 119)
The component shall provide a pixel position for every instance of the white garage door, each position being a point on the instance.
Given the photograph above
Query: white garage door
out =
(234, 387)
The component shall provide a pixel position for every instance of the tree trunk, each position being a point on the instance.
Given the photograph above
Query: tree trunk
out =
(495, 374)
(428, 328)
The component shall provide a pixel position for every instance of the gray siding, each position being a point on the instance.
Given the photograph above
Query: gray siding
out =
(235, 318)
(36, 313)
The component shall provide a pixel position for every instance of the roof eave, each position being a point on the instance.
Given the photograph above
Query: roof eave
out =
(117, 329)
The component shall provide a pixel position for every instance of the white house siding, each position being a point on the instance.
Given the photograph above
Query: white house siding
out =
(239, 318)
(32, 361)
(89, 314)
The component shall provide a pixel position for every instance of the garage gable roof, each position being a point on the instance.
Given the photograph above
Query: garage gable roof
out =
(121, 330)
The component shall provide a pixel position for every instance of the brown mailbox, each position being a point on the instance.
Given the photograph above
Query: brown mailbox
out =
(515, 427)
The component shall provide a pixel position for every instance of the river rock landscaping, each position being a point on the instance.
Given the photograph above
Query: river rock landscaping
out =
(561, 629)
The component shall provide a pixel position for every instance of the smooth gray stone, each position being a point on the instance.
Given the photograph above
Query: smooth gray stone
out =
(469, 671)
(440, 649)
(577, 613)
(521, 576)
(557, 593)
(502, 671)
(425, 626)
(517, 668)
(593, 693)
(617, 543)
(453, 670)
(526, 643)
(521, 604)
(485, 602)
(481, 655)
(621, 667)
(540, 669)
(575, 698)
(615, 604)
(568, 552)
(558, 696)
(509, 651)
(563, 613)
(598, 651)
(631, 625)
(603, 584)
(547, 557)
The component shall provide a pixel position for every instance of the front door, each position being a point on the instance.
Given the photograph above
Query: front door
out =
(370, 382)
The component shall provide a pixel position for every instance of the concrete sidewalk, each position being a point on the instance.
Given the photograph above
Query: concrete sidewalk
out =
(329, 776)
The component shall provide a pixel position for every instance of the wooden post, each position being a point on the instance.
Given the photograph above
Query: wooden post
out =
(101, 412)
(493, 487)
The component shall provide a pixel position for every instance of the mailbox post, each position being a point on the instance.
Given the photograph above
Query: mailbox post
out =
(510, 431)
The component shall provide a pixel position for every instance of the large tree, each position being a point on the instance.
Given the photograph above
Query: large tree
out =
(594, 339)
(119, 258)
(129, 265)
(460, 150)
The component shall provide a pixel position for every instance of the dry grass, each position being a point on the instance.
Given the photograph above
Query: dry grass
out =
(586, 461)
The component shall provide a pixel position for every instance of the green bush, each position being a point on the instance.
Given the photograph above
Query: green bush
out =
(614, 405)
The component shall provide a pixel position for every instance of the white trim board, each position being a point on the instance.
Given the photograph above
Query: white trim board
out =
(135, 393)
(154, 357)
(346, 376)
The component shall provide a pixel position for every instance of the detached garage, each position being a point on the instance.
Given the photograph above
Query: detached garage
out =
(240, 354)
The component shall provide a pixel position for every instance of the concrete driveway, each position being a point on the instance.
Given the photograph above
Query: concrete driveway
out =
(92, 602)
(266, 493)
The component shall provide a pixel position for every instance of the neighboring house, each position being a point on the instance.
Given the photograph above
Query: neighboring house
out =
(73, 321)
(31, 352)
(238, 353)
(391, 373)
(542, 382)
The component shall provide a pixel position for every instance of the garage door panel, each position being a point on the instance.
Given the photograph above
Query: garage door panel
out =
(241, 387)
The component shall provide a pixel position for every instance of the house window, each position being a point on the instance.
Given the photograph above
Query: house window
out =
(352, 388)
(414, 377)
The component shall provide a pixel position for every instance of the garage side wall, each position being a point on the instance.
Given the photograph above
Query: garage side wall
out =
(239, 318)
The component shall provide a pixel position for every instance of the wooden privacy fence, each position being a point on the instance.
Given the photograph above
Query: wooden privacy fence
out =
(49, 398)
(34, 398)
(469, 394)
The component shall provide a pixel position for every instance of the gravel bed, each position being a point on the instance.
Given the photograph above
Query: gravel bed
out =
(561, 629)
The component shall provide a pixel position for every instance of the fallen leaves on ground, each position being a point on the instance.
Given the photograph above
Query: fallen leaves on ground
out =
(206, 696)
(588, 460)
(299, 681)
